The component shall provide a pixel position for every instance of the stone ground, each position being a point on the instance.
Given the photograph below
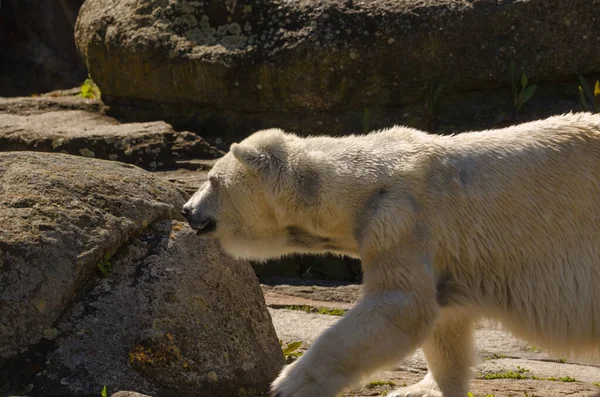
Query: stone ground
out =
(499, 352)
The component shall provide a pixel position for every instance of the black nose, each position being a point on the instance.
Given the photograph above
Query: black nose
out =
(185, 212)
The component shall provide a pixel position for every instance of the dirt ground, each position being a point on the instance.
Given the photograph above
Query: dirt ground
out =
(303, 309)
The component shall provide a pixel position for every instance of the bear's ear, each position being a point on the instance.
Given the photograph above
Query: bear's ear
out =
(249, 156)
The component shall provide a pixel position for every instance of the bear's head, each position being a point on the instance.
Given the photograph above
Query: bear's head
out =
(261, 199)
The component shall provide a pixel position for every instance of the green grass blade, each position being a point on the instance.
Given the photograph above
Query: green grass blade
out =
(582, 101)
(586, 88)
(524, 80)
(525, 96)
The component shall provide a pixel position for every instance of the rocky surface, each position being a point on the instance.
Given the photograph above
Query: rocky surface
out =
(499, 352)
(332, 66)
(99, 286)
(78, 126)
(175, 314)
(50, 102)
(38, 47)
(188, 177)
(59, 217)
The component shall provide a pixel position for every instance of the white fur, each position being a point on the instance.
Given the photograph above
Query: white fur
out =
(503, 224)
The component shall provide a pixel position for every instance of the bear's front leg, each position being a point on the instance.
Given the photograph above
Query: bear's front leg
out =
(396, 314)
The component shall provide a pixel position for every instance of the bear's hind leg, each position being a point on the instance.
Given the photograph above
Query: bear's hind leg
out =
(449, 355)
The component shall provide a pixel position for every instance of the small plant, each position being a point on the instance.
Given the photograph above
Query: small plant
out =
(584, 91)
(433, 91)
(290, 351)
(533, 348)
(567, 379)
(522, 92)
(318, 310)
(596, 384)
(505, 375)
(379, 383)
(103, 393)
(89, 89)
(561, 360)
(105, 266)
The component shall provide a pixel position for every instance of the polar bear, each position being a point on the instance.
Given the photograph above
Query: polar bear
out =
(502, 224)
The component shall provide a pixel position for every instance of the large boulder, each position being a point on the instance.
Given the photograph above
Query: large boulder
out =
(60, 216)
(32, 124)
(175, 314)
(38, 47)
(99, 287)
(227, 67)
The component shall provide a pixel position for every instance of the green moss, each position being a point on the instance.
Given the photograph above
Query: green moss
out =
(505, 375)
(105, 266)
(523, 373)
(567, 379)
(495, 356)
(319, 310)
(533, 348)
(380, 383)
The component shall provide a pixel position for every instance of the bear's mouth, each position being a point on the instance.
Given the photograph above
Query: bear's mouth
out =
(209, 225)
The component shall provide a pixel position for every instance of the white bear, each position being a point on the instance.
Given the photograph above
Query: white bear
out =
(502, 224)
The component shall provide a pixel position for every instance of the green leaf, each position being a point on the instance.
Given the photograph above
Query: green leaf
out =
(525, 95)
(290, 348)
(524, 80)
(586, 88)
(103, 394)
(582, 101)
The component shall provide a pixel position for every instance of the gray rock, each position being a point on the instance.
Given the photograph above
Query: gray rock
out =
(176, 316)
(64, 100)
(187, 180)
(336, 66)
(60, 216)
(92, 134)
(100, 287)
